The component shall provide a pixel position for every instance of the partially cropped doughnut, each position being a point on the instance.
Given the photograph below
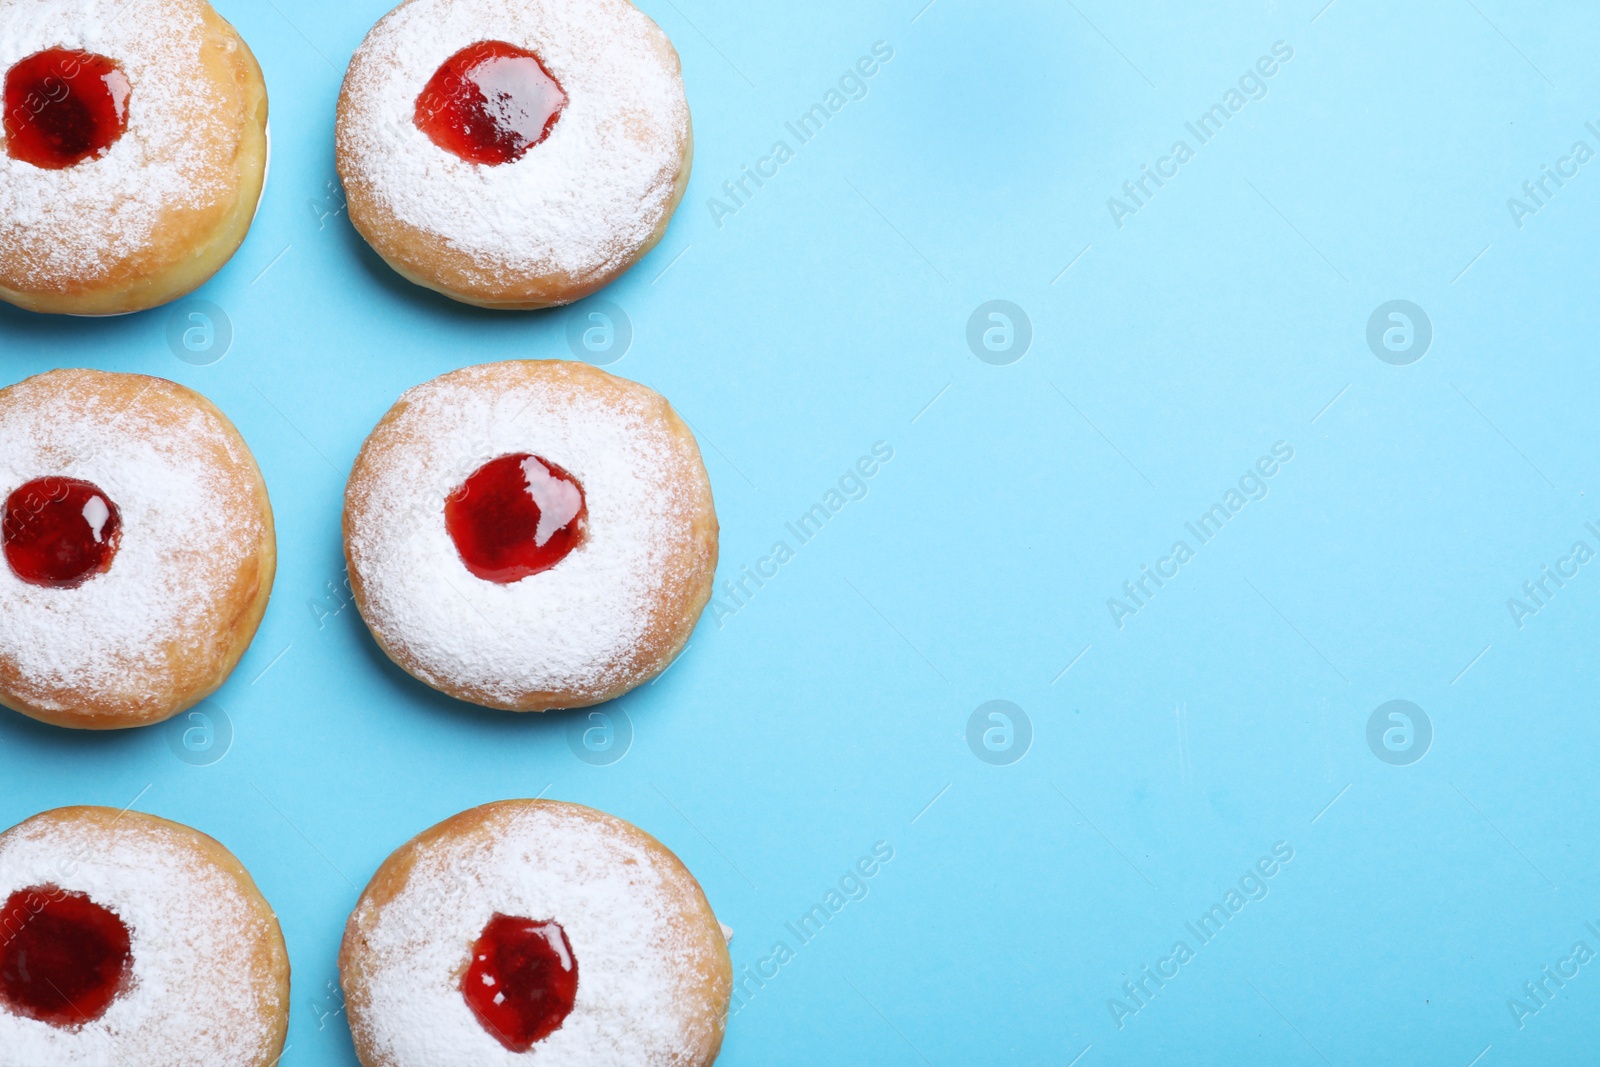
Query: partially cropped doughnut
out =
(531, 535)
(531, 931)
(130, 941)
(133, 151)
(138, 548)
(513, 153)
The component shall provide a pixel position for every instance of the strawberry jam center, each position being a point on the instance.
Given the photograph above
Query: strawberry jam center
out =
(522, 980)
(64, 106)
(63, 958)
(60, 532)
(517, 515)
(490, 103)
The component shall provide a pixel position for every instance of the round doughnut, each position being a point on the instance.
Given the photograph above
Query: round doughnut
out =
(531, 535)
(138, 548)
(157, 211)
(130, 940)
(535, 931)
(513, 153)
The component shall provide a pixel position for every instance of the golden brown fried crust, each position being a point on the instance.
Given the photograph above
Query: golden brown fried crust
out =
(269, 956)
(712, 984)
(674, 614)
(190, 245)
(429, 259)
(198, 660)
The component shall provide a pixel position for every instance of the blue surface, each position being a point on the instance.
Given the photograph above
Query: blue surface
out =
(830, 711)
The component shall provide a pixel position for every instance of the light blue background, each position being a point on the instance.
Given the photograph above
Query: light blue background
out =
(827, 314)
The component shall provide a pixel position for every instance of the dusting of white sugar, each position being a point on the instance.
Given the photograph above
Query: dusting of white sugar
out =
(585, 199)
(188, 524)
(572, 627)
(197, 996)
(622, 907)
(80, 223)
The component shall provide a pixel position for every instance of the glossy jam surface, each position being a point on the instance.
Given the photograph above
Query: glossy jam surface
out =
(517, 515)
(63, 958)
(522, 980)
(490, 102)
(63, 107)
(60, 532)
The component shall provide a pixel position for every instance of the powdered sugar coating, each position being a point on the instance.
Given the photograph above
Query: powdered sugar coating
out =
(78, 224)
(631, 913)
(200, 994)
(575, 628)
(585, 200)
(184, 485)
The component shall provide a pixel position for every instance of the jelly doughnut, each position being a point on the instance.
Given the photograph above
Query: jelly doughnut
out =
(534, 931)
(531, 535)
(513, 153)
(138, 548)
(130, 940)
(133, 150)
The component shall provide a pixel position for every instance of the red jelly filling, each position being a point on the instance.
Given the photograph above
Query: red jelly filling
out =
(522, 980)
(64, 106)
(517, 515)
(63, 958)
(490, 103)
(60, 532)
